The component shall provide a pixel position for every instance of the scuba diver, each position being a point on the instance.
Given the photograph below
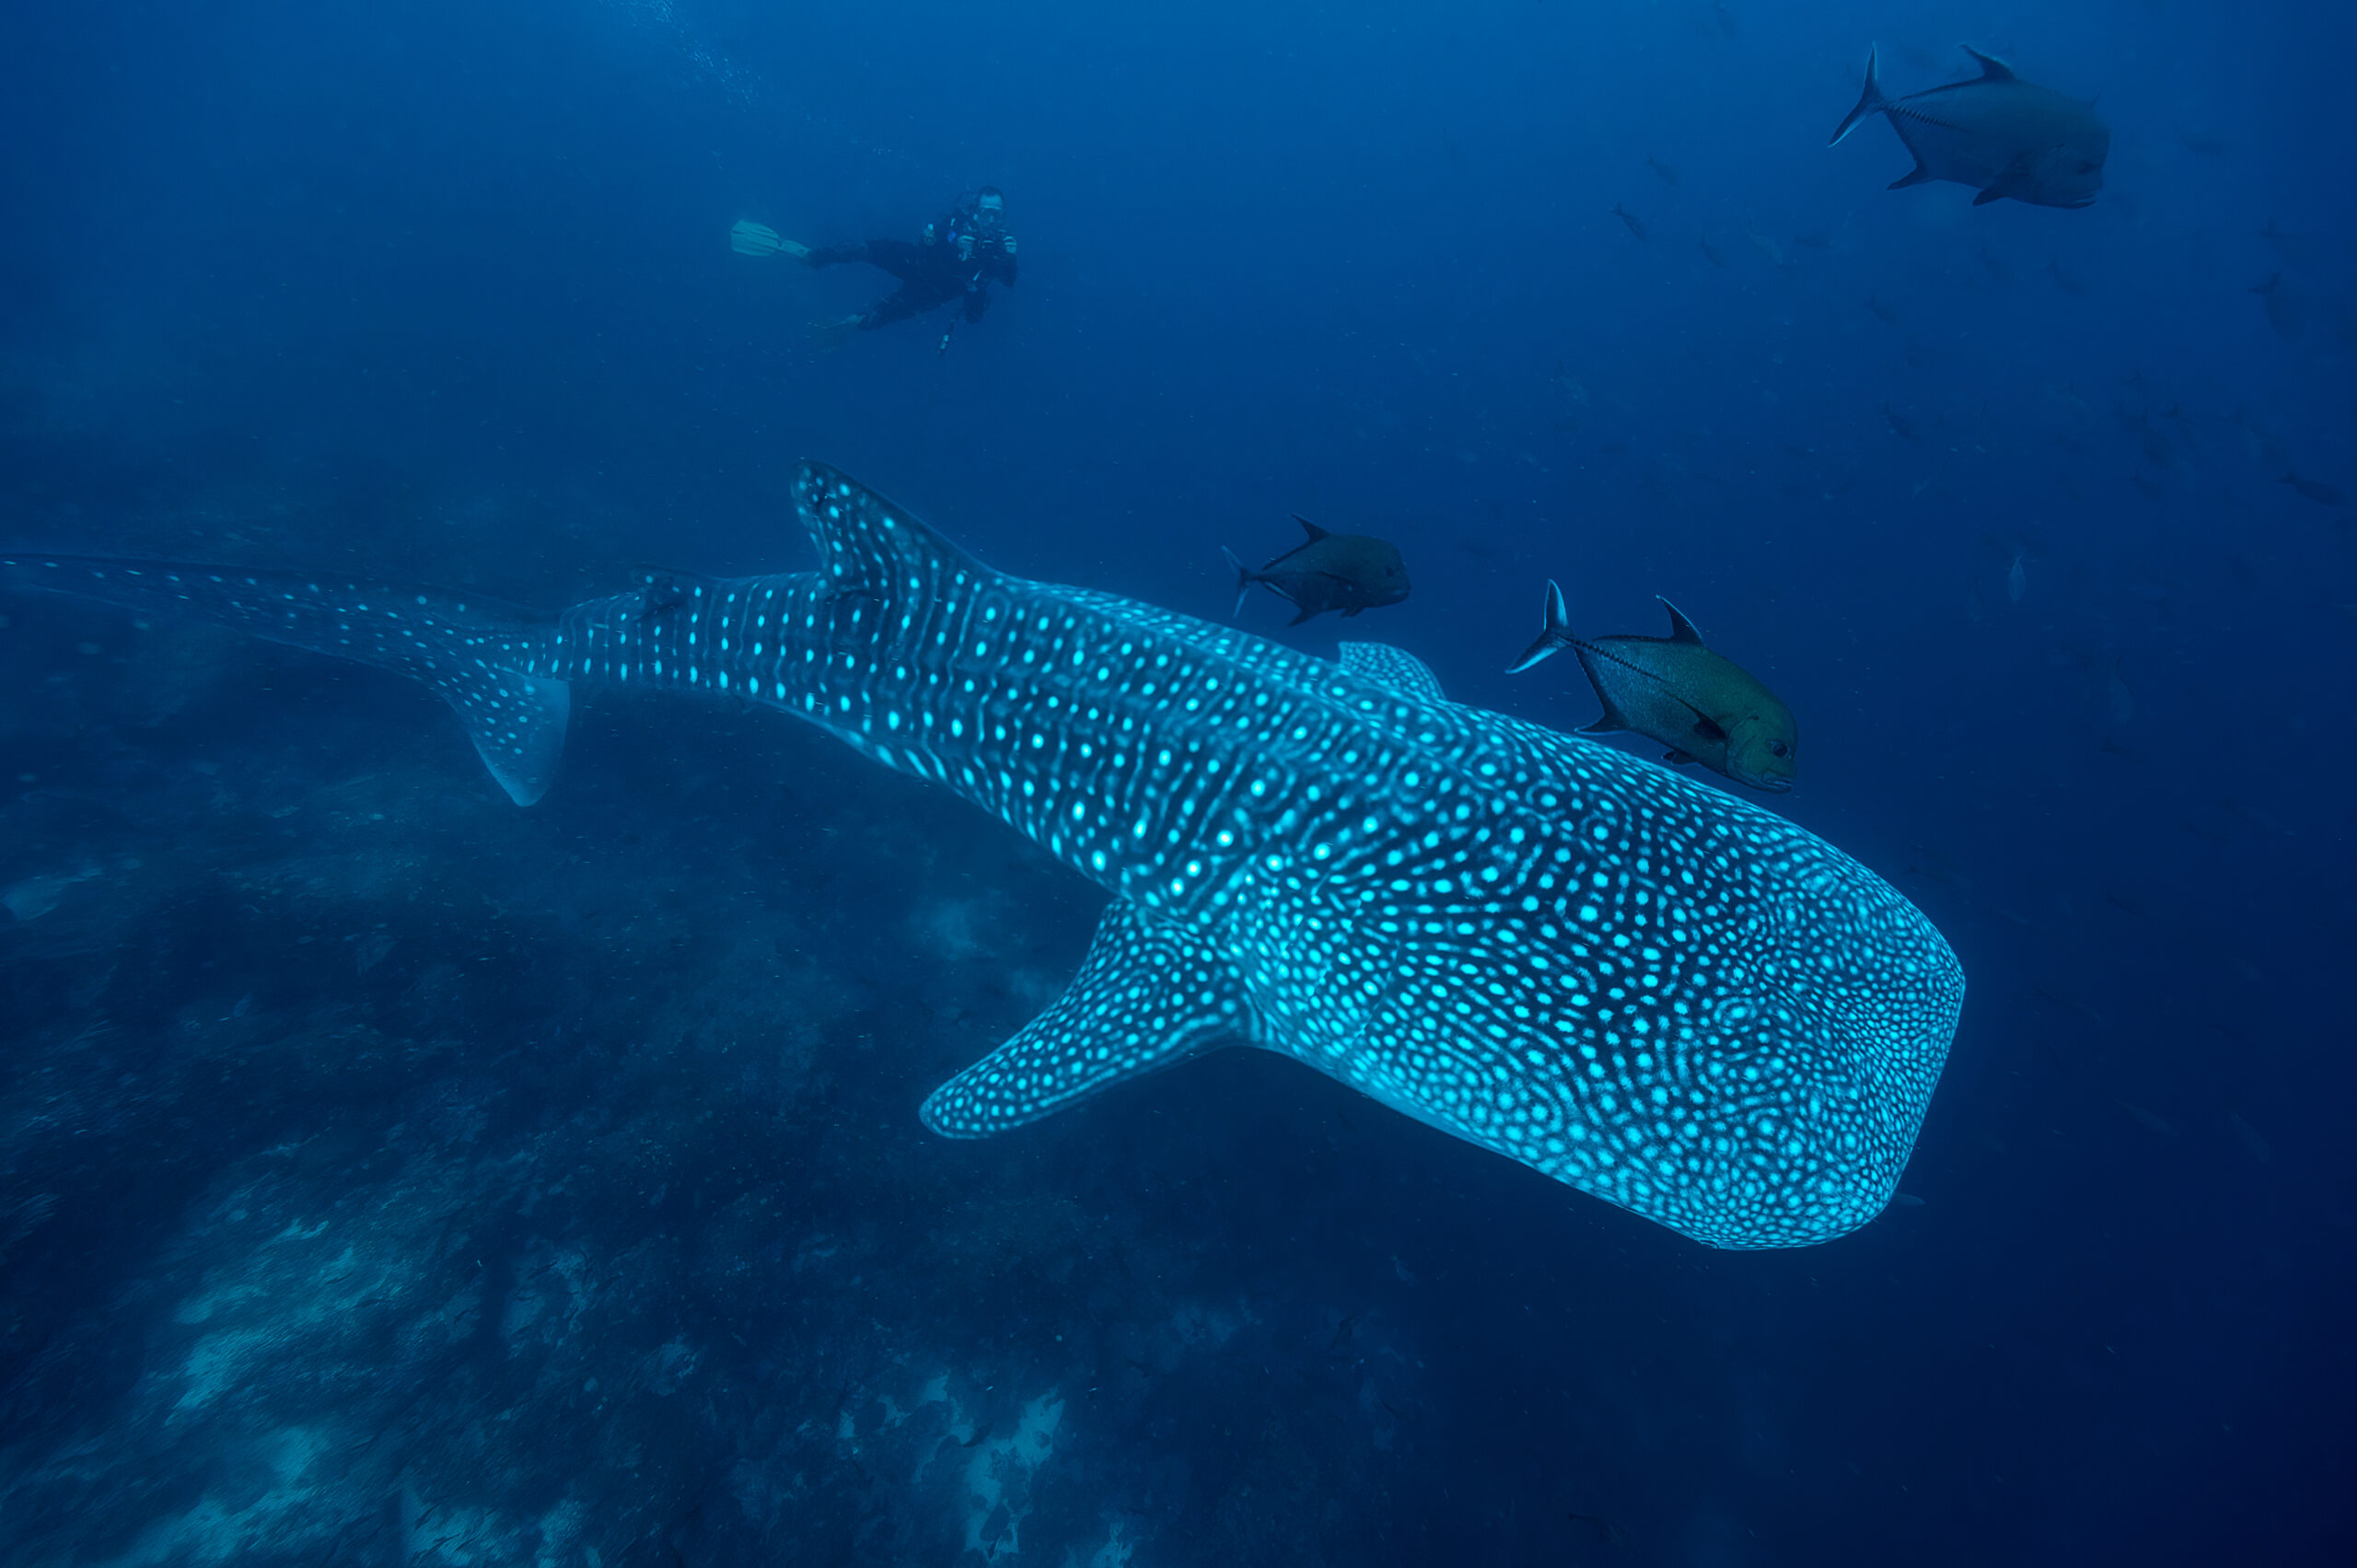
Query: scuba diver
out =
(959, 256)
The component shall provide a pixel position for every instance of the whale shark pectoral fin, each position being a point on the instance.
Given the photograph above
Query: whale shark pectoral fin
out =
(517, 725)
(1386, 666)
(1147, 996)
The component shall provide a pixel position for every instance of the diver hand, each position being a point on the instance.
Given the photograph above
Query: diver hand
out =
(965, 247)
(1007, 244)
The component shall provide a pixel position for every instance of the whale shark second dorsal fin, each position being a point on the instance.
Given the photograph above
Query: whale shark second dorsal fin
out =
(1394, 668)
(866, 545)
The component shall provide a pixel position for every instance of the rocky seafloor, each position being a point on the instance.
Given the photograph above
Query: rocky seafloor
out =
(390, 1176)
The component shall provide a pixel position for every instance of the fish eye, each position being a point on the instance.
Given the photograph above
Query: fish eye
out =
(1778, 749)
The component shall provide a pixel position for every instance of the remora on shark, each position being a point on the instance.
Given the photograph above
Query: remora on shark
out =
(1631, 982)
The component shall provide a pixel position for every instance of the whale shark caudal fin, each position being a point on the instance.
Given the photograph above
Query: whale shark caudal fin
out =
(467, 649)
(1146, 996)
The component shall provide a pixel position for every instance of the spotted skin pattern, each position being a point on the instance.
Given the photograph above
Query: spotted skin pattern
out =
(1623, 978)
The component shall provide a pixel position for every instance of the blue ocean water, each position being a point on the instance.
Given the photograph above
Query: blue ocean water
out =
(390, 1175)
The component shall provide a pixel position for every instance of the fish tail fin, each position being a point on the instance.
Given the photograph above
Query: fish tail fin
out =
(1243, 580)
(481, 656)
(1554, 632)
(1870, 102)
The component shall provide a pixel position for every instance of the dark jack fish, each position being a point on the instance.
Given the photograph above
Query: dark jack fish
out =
(1529, 940)
(1996, 132)
(1676, 691)
(1348, 571)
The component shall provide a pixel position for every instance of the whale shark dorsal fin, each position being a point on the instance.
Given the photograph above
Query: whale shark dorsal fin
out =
(866, 545)
(1147, 996)
(1386, 666)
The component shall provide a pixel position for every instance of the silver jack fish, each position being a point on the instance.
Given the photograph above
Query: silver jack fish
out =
(1632, 983)
(1995, 133)
(1702, 705)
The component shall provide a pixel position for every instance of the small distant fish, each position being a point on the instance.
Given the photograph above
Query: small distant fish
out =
(1818, 240)
(2063, 280)
(1996, 132)
(2290, 247)
(2321, 494)
(2120, 705)
(1669, 175)
(2076, 1005)
(2148, 1120)
(2157, 450)
(1677, 692)
(1607, 1533)
(2202, 143)
(1900, 425)
(1882, 312)
(1906, 1200)
(2016, 580)
(1625, 216)
(2248, 1136)
(1328, 571)
(1999, 274)
(1710, 253)
(2283, 311)
(1767, 245)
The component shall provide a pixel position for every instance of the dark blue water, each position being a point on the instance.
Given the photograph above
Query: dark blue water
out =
(390, 1176)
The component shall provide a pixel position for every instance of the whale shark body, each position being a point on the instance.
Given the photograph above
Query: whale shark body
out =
(1626, 981)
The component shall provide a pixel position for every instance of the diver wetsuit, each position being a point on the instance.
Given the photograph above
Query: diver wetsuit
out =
(957, 257)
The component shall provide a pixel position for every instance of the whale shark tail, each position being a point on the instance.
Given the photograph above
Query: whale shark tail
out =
(478, 654)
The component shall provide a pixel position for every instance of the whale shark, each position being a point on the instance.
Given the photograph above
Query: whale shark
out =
(1624, 980)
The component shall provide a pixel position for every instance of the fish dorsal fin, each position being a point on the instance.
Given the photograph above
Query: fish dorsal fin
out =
(1991, 68)
(1147, 996)
(868, 546)
(1386, 665)
(1315, 533)
(1680, 628)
